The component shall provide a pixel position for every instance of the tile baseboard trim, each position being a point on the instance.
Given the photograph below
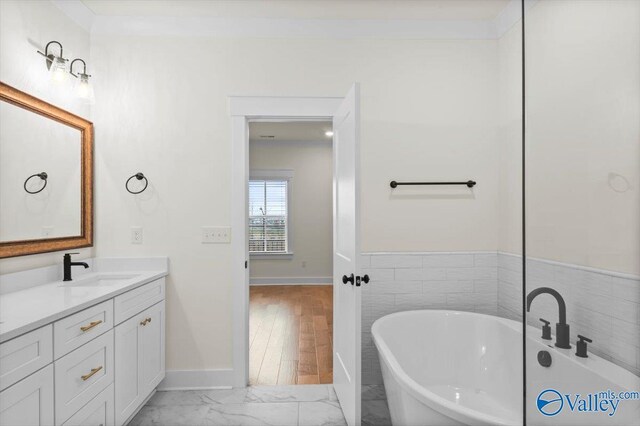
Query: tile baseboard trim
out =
(537, 259)
(197, 380)
(292, 281)
(575, 266)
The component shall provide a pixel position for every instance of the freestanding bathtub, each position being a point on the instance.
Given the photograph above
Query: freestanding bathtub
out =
(453, 368)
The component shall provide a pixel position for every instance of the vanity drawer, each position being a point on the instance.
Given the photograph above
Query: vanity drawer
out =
(132, 302)
(25, 354)
(83, 374)
(75, 330)
(98, 412)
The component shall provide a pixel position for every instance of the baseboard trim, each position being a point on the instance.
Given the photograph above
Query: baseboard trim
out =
(197, 380)
(292, 281)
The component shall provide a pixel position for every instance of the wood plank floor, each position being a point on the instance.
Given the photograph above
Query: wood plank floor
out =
(291, 334)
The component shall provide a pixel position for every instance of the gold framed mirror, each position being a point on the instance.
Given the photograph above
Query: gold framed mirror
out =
(46, 176)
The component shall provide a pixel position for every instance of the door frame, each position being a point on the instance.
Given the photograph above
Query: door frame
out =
(242, 110)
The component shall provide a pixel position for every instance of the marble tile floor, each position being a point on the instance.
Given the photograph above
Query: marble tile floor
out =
(375, 411)
(297, 405)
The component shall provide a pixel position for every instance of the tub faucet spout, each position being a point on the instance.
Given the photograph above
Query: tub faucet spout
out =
(562, 328)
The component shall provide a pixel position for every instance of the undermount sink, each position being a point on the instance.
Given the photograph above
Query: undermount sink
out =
(100, 279)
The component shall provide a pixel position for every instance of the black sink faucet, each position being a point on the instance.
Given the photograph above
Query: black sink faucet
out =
(67, 264)
(562, 328)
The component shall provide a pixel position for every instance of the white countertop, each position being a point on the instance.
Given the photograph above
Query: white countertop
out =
(30, 308)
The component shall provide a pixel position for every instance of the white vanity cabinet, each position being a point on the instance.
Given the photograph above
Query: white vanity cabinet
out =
(98, 412)
(26, 379)
(24, 355)
(93, 367)
(139, 359)
(30, 401)
(82, 375)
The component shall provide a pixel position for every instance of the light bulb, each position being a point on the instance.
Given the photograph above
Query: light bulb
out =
(58, 70)
(84, 89)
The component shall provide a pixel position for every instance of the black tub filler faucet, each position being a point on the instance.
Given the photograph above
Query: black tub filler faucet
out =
(562, 328)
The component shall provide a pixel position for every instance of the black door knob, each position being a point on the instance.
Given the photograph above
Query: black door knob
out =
(348, 279)
(365, 279)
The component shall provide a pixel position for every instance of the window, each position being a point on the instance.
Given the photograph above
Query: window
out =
(268, 215)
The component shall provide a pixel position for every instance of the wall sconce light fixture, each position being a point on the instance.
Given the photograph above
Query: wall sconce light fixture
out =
(83, 89)
(57, 65)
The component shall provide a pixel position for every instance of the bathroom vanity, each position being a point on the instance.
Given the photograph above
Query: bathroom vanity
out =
(81, 342)
(90, 351)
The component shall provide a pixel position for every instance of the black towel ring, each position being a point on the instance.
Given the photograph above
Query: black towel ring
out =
(138, 176)
(42, 176)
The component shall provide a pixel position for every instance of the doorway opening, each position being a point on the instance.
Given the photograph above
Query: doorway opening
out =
(344, 114)
(290, 240)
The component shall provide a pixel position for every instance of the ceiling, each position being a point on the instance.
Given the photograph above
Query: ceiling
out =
(295, 131)
(304, 9)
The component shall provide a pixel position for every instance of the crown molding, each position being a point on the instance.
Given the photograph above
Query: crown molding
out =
(280, 28)
(304, 28)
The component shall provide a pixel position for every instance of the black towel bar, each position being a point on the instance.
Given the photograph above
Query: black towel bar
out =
(469, 183)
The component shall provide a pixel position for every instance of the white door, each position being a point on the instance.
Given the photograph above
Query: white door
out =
(346, 255)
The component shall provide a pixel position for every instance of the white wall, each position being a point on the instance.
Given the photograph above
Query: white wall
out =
(583, 133)
(25, 27)
(510, 140)
(428, 112)
(583, 123)
(310, 209)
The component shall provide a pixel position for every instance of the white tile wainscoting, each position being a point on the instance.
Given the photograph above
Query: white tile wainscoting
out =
(601, 305)
(462, 281)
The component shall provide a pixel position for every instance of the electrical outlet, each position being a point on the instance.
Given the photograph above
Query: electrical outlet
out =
(216, 234)
(136, 235)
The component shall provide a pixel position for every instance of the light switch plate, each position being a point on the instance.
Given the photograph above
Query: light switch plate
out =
(216, 234)
(136, 235)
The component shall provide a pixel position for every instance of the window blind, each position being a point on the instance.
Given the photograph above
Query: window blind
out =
(268, 216)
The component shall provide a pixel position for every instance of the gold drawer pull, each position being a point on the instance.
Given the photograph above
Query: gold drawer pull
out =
(91, 325)
(145, 321)
(93, 371)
